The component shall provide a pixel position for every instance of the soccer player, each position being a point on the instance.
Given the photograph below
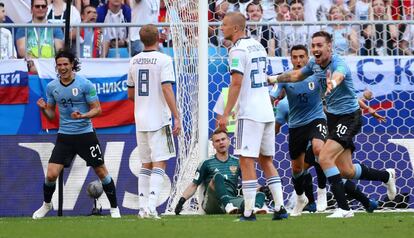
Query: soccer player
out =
(77, 103)
(150, 79)
(220, 175)
(255, 137)
(302, 103)
(307, 125)
(344, 121)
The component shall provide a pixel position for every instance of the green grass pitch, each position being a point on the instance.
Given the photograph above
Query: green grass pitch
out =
(378, 225)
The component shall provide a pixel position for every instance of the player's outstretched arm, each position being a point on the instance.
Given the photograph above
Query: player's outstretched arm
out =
(188, 192)
(371, 111)
(292, 76)
(170, 99)
(47, 109)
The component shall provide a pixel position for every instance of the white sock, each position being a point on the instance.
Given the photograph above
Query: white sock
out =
(156, 181)
(143, 187)
(249, 193)
(275, 186)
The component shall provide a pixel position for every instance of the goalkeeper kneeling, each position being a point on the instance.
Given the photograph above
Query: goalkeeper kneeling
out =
(220, 175)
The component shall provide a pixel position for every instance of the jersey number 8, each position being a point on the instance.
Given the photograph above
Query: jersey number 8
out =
(143, 82)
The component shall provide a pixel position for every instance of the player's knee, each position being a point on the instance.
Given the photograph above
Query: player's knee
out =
(101, 172)
(51, 177)
(296, 169)
(317, 150)
(218, 177)
(347, 173)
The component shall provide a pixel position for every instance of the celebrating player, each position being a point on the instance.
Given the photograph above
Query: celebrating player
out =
(77, 102)
(255, 121)
(344, 121)
(307, 125)
(150, 79)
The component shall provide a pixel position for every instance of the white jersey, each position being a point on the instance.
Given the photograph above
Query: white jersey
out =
(148, 70)
(249, 58)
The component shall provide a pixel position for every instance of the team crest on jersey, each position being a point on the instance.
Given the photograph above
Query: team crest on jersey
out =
(75, 91)
(311, 85)
(233, 169)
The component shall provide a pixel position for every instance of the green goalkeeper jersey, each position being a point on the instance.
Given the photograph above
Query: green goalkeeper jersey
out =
(230, 169)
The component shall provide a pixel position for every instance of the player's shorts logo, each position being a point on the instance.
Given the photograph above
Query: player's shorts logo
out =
(75, 91)
(311, 85)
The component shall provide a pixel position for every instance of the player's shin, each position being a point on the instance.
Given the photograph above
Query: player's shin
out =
(156, 181)
(298, 179)
(143, 187)
(249, 194)
(337, 187)
(220, 188)
(275, 186)
(110, 191)
(308, 187)
(48, 190)
(365, 173)
(352, 190)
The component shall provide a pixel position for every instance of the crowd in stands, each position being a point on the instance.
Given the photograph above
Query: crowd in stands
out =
(280, 26)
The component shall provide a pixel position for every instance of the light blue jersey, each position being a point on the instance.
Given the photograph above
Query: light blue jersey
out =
(305, 103)
(342, 100)
(69, 98)
(282, 111)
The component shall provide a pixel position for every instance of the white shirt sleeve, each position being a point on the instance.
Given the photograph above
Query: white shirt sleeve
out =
(167, 71)
(237, 61)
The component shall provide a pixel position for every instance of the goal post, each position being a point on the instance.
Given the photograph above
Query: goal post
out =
(189, 28)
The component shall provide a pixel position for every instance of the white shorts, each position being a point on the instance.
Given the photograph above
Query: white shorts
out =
(155, 146)
(254, 138)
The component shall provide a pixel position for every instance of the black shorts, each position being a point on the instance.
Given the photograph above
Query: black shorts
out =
(300, 137)
(343, 128)
(85, 145)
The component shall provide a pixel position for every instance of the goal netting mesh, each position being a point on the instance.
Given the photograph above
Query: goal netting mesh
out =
(183, 16)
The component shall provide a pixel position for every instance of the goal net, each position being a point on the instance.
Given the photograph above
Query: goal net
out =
(379, 145)
(183, 16)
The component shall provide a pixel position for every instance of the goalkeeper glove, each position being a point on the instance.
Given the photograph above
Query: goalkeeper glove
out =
(179, 206)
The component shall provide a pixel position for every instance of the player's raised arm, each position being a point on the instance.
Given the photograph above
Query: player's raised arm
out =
(371, 111)
(332, 81)
(47, 109)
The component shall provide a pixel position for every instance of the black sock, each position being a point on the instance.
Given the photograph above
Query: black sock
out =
(308, 187)
(321, 176)
(352, 190)
(338, 190)
(110, 192)
(48, 192)
(372, 174)
(298, 184)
